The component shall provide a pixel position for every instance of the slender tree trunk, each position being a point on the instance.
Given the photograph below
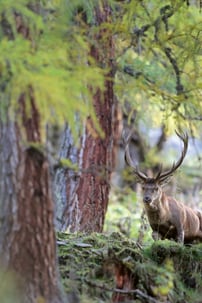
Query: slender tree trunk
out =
(27, 237)
(83, 202)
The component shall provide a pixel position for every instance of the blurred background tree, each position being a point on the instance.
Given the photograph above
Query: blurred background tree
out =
(83, 198)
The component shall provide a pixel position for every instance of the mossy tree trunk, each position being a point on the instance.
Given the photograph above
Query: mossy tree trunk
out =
(27, 235)
(84, 198)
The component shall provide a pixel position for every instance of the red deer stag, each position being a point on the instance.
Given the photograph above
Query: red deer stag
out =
(169, 218)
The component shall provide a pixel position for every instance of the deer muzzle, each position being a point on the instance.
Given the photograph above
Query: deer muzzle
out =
(147, 199)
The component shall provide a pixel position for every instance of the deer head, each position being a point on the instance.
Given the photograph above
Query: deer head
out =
(152, 187)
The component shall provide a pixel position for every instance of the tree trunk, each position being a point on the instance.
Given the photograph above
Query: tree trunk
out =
(83, 201)
(27, 237)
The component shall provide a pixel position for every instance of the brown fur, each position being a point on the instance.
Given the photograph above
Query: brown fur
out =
(169, 218)
(199, 214)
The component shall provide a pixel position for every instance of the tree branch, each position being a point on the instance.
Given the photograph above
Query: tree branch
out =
(179, 86)
(167, 12)
(136, 292)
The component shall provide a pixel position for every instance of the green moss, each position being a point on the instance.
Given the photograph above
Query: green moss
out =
(164, 270)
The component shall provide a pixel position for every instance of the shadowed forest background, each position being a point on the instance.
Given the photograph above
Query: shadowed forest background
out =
(75, 78)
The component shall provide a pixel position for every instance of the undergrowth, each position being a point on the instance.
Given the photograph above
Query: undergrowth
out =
(110, 268)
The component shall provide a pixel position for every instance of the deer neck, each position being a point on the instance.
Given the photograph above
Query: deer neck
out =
(164, 198)
(154, 205)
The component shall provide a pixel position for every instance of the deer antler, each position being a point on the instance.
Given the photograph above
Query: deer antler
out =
(161, 177)
(129, 160)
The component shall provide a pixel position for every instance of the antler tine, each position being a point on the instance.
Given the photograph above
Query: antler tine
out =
(163, 176)
(128, 158)
(159, 172)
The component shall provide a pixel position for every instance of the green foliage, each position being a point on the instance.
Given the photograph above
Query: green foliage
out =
(54, 62)
(82, 7)
(66, 163)
(32, 20)
(158, 59)
(124, 215)
(160, 62)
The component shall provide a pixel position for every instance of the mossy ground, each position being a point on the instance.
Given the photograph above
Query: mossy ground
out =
(95, 266)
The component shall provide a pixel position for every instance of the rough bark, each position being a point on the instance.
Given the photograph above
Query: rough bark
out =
(27, 237)
(86, 192)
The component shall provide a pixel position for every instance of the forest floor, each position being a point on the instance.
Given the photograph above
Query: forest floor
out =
(113, 268)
